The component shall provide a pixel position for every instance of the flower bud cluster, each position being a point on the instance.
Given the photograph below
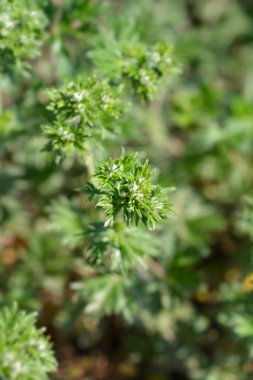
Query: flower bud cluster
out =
(81, 110)
(146, 67)
(124, 186)
(22, 30)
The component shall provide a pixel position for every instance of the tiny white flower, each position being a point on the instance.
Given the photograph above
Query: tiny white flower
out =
(168, 60)
(144, 77)
(105, 98)
(9, 24)
(155, 58)
(42, 347)
(134, 187)
(104, 107)
(117, 253)
(78, 96)
(34, 14)
(24, 39)
(143, 72)
(68, 136)
(81, 107)
(18, 368)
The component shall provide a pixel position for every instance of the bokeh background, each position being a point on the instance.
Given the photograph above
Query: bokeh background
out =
(192, 313)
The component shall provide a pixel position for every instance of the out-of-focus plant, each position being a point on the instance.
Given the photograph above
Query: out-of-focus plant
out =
(25, 353)
(22, 31)
(82, 110)
(145, 67)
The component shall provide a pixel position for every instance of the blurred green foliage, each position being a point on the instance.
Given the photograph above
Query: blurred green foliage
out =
(22, 30)
(25, 353)
(82, 110)
(185, 310)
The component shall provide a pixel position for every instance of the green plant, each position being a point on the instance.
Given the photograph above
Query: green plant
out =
(124, 190)
(25, 353)
(145, 67)
(124, 185)
(160, 298)
(83, 110)
(22, 31)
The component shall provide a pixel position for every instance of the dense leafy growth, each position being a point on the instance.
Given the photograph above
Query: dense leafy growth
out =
(25, 353)
(125, 185)
(81, 111)
(22, 30)
(173, 81)
(145, 67)
(118, 247)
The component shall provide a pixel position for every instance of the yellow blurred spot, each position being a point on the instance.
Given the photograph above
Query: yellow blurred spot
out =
(205, 296)
(248, 283)
(127, 370)
(232, 275)
(202, 296)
